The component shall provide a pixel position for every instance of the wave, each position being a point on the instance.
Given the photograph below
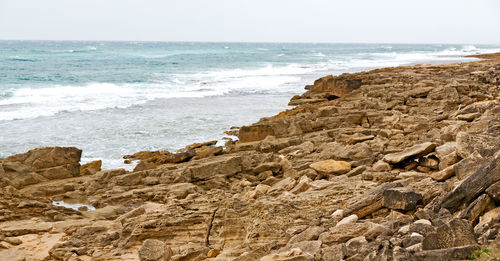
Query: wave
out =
(27, 103)
(267, 70)
(394, 58)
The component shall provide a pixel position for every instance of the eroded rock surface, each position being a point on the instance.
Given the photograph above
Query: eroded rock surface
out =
(391, 164)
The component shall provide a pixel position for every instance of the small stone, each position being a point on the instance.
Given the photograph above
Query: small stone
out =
(381, 166)
(152, 250)
(421, 226)
(443, 174)
(213, 253)
(347, 220)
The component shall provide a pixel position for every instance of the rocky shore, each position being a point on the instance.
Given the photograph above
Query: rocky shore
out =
(392, 164)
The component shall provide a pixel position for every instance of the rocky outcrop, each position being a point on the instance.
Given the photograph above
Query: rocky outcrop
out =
(391, 164)
(40, 165)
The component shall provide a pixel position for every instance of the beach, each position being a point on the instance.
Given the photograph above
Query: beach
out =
(112, 99)
(397, 163)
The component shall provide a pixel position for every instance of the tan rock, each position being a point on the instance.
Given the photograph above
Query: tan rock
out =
(414, 152)
(331, 167)
(90, 168)
(154, 250)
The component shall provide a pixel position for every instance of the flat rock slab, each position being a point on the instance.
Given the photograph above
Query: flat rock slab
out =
(24, 227)
(415, 151)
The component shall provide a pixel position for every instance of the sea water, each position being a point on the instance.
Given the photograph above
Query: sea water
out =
(116, 98)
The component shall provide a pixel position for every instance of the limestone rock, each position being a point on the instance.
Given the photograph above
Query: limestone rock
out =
(455, 233)
(468, 143)
(154, 250)
(254, 133)
(401, 198)
(494, 191)
(90, 168)
(412, 152)
(469, 165)
(331, 167)
(474, 185)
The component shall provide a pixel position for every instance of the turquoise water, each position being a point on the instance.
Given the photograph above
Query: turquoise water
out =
(116, 98)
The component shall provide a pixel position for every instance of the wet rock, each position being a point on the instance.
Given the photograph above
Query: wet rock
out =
(401, 198)
(412, 152)
(331, 167)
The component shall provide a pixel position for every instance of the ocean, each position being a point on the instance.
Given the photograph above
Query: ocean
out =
(116, 98)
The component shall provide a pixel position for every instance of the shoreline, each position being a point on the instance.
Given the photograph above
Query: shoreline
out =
(390, 162)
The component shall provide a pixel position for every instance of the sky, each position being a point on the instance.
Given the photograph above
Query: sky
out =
(353, 21)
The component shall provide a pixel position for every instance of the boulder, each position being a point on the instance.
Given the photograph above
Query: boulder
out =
(401, 198)
(331, 167)
(412, 152)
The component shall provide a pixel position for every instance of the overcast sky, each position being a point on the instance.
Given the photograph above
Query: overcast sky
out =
(381, 21)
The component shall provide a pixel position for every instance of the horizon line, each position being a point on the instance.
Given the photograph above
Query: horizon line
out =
(261, 42)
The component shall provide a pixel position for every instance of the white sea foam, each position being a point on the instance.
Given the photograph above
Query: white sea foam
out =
(26, 103)
(32, 102)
